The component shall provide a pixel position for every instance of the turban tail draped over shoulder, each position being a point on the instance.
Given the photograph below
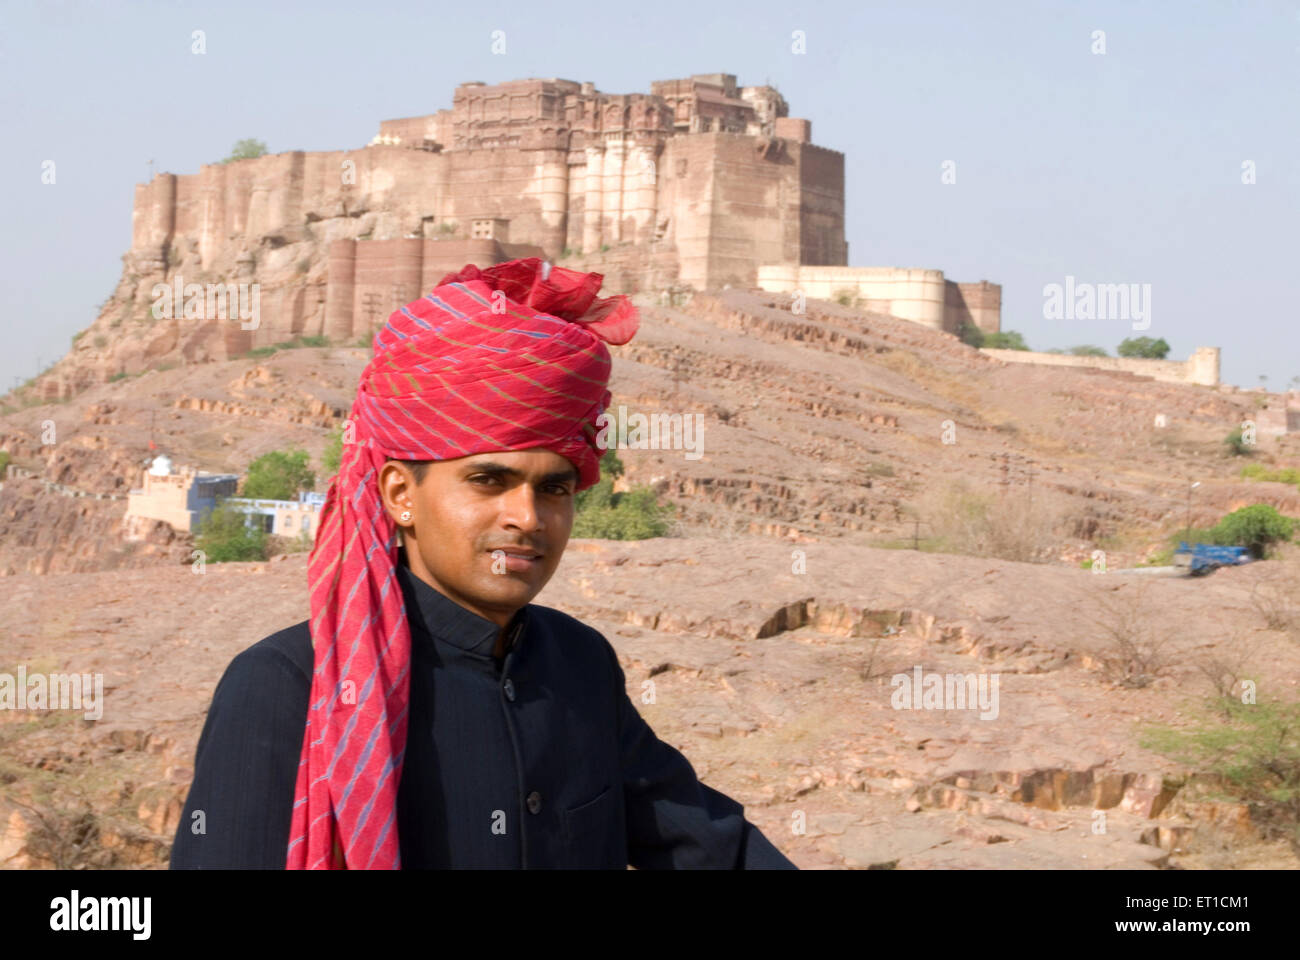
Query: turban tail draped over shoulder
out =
(512, 357)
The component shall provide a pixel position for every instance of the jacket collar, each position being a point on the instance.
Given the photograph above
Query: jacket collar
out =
(432, 612)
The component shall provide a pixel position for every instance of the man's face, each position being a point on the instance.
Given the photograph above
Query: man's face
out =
(469, 508)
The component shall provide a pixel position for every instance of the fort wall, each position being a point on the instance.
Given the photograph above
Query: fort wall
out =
(922, 296)
(1201, 367)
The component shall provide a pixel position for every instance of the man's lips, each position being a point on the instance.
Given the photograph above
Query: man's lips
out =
(516, 551)
(517, 558)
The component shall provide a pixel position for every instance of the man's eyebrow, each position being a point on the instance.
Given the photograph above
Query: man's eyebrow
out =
(501, 470)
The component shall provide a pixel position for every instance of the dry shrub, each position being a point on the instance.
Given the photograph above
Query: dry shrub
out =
(1133, 641)
(880, 660)
(1225, 666)
(1009, 526)
(731, 526)
(1276, 594)
(63, 831)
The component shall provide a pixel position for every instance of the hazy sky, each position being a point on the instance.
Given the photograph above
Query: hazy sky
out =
(1122, 167)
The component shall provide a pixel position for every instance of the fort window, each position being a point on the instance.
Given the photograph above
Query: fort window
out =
(492, 228)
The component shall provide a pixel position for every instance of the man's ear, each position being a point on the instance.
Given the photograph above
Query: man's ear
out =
(397, 490)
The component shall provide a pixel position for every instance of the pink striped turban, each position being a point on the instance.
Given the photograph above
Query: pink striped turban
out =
(508, 358)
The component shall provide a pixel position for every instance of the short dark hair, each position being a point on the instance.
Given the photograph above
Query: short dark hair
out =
(419, 468)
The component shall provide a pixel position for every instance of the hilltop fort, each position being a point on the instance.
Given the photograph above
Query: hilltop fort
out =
(698, 184)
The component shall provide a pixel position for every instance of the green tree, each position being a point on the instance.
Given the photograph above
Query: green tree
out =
(246, 150)
(601, 494)
(1257, 527)
(225, 536)
(279, 475)
(333, 453)
(600, 513)
(1088, 350)
(971, 335)
(1005, 340)
(1143, 347)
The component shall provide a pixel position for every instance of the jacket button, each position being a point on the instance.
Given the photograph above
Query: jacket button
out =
(534, 802)
(509, 687)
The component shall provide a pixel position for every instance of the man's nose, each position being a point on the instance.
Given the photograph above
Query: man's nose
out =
(520, 507)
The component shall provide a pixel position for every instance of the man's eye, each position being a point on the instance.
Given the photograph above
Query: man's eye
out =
(559, 489)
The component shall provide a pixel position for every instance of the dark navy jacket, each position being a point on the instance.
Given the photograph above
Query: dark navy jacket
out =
(539, 760)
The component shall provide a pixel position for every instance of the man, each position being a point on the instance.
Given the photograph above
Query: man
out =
(428, 714)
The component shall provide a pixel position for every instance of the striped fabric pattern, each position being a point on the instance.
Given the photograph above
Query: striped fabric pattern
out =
(508, 358)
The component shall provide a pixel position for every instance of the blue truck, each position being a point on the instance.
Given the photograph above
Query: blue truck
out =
(1205, 558)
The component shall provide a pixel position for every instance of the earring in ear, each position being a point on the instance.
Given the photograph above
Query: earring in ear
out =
(406, 516)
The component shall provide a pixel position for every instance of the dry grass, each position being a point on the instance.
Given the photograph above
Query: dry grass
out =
(930, 377)
(1009, 526)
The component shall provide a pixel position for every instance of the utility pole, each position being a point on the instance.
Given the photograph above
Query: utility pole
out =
(1190, 487)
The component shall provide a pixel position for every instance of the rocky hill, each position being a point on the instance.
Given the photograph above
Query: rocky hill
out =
(834, 436)
(831, 424)
(775, 684)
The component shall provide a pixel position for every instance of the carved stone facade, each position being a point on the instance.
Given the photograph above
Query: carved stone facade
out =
(708, 179)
